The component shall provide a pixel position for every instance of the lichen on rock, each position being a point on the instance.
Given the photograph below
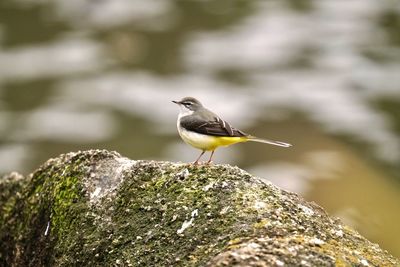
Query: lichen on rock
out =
(96, 208)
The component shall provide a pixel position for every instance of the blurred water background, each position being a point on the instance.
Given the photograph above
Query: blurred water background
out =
(323, 75)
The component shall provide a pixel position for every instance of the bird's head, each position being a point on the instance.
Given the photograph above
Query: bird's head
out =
(189, 104)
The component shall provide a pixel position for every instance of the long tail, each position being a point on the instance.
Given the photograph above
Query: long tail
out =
(266, 141)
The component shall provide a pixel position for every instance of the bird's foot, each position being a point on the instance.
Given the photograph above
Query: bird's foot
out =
(198, 163)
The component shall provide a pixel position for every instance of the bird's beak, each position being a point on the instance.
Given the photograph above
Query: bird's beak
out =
(176, 102)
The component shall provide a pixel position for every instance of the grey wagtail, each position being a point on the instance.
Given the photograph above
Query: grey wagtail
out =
(202, 129)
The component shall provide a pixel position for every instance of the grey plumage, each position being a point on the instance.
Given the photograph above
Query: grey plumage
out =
(215, 126)
(204, 121)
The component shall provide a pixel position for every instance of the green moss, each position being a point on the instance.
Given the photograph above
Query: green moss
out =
(262, 223)
(65, 194)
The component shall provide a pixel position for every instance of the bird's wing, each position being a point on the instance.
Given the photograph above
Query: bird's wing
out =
(215, 127)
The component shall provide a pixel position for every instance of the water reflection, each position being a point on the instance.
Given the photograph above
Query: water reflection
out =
(64, 57)
(70, 125)
(322, 75)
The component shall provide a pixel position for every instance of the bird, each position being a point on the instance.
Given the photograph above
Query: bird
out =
(204, 130)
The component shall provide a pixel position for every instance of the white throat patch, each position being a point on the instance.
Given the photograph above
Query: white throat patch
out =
(184, 112)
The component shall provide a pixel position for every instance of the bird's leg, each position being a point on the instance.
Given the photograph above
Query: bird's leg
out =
(209, 161)
(197, 160)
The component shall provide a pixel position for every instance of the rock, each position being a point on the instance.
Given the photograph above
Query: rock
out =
(96, 208)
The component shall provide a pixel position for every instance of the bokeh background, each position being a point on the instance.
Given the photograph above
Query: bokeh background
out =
(323, 75)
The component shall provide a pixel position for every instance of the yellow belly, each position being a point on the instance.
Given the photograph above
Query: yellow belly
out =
(208, 142)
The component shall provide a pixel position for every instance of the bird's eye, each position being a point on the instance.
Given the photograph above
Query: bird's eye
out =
(187, 104)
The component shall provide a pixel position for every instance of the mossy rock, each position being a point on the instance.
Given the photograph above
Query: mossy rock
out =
(96, 208)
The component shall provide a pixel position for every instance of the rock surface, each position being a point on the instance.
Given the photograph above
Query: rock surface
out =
(96, 208)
